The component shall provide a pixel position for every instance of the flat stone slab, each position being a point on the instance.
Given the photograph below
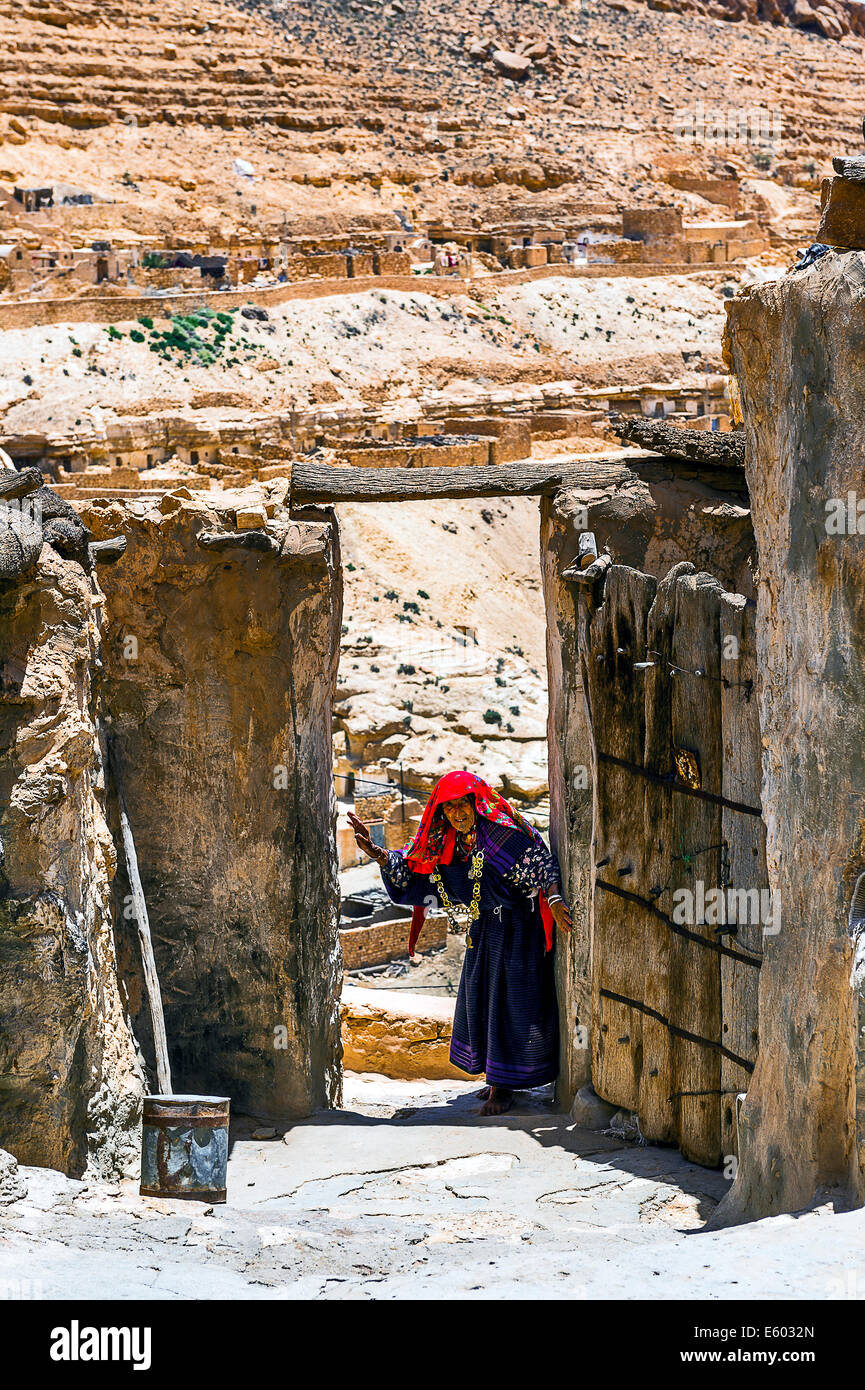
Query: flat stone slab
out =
(397, 1032)
(402, 1003)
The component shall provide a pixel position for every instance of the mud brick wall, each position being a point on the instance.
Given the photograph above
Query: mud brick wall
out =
(384, 941)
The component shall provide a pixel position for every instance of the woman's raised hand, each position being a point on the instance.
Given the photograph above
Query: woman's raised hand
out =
(363, 839)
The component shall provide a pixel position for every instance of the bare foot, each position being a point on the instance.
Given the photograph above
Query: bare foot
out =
(484, 1094)
(499, 1100)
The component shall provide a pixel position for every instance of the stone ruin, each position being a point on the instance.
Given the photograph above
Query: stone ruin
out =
(203, 662)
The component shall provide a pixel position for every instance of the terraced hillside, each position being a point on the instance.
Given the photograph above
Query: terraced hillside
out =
(347, 108)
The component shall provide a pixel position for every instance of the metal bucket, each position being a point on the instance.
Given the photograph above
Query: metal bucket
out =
(184, 1147)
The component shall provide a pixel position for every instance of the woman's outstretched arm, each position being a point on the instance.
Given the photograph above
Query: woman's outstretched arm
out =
(403, 885)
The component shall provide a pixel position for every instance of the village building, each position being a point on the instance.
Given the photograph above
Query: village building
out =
(34, 199)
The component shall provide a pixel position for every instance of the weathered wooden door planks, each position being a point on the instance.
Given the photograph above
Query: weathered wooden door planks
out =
(676, 827)
(744, 836)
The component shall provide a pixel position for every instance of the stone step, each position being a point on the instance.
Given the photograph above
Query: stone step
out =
(397, 1033)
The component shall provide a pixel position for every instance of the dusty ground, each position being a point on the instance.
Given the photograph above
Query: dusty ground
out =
(405, 1193)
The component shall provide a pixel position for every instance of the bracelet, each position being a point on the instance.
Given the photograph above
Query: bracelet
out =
(556, 899)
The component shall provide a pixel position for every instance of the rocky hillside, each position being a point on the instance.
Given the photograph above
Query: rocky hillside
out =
(831, 18)
(443, 660)
(391, 113)
(350, 109)
(383, 347)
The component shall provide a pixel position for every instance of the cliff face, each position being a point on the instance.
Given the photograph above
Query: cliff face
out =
(661, 518)
(70, 1077)
(798, 348)
(219, 675)
(830, 18)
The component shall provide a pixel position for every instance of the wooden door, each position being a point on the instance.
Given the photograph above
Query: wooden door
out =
(680, 901)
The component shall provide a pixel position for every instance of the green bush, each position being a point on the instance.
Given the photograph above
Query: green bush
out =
(492, 716)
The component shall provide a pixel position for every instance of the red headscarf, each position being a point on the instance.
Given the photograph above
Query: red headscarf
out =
(436, 838)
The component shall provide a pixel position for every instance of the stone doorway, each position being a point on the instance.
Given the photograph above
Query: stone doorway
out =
(457, 684)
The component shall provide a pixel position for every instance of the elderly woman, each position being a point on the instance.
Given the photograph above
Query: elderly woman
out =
(473, 848)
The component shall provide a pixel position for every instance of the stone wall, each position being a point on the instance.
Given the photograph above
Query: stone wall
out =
(714, 190)
(509, 439)
(392, 262)
(219, 672)
(124, 308)
(798, 351)
(449, 452)
(647, 224)
(668, 514)
(70, 1077)
(398, 1034)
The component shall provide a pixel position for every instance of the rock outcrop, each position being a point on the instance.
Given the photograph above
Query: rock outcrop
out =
(70, 1078)
(402, 1035)
(12, 1184)
(219, 671)
(831, 18)
(724, 449)
(797, 349)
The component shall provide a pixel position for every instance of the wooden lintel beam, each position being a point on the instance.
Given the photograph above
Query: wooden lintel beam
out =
(316, 484)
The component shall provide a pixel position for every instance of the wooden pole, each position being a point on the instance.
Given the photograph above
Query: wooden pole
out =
(712, 448)
(148, 960)
(317, 484)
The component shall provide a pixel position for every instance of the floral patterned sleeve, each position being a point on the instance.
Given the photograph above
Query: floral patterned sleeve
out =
(536, 868)
(396, 872)
(403, 885)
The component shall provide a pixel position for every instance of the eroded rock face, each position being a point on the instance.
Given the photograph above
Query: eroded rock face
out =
(798, 348)
(220, 666)
(664, 517)
(402, 1035)
(70, 1078)
(12, 1184)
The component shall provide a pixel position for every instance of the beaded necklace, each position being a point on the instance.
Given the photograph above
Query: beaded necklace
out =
(473, 908)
